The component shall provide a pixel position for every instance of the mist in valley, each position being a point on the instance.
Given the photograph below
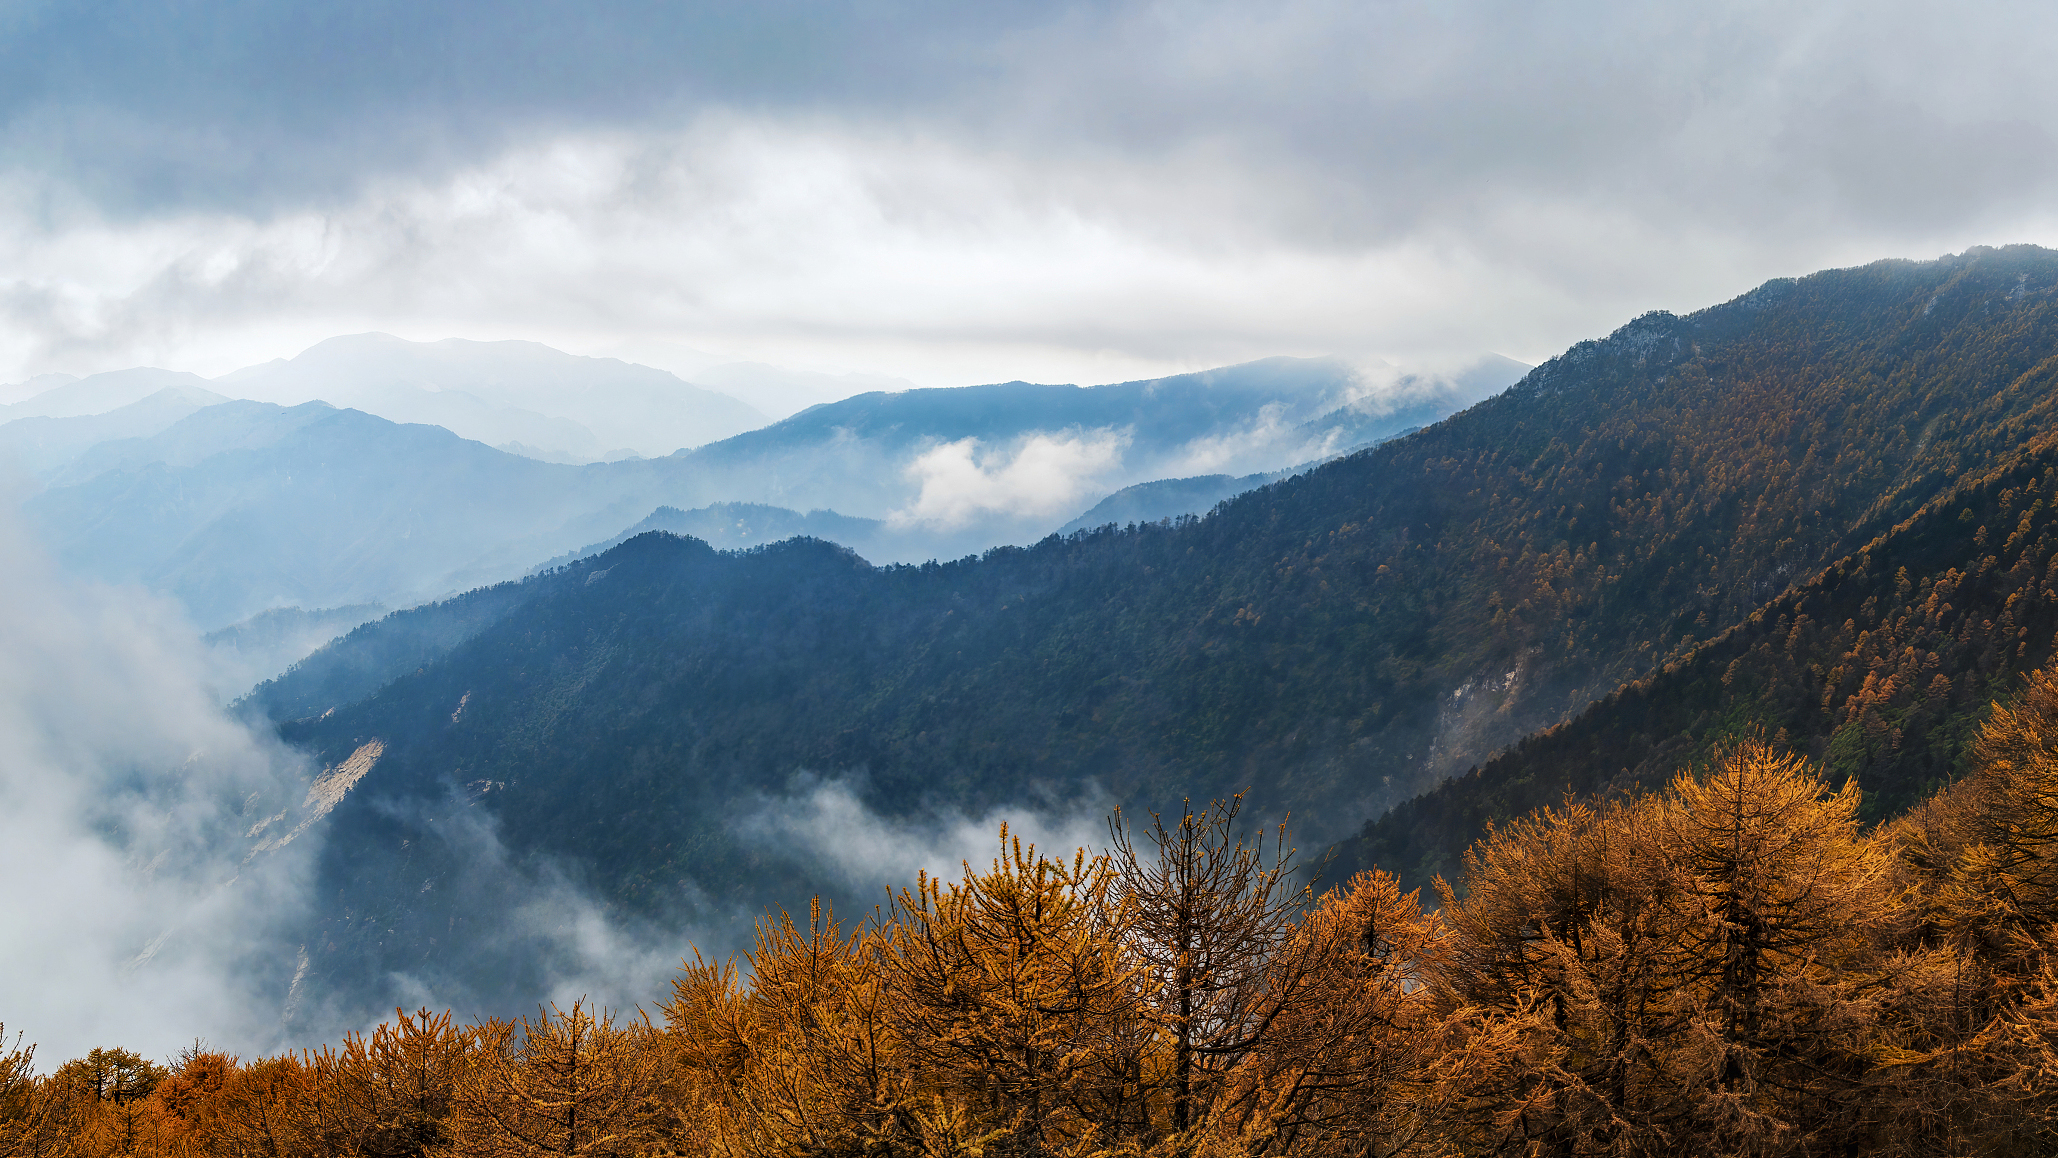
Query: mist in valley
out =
(172, 844)
(136, 910)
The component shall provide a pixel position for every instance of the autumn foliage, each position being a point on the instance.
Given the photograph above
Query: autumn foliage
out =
(1735, 965)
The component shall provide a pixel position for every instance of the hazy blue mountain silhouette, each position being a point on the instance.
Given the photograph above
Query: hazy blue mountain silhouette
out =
(244, 506)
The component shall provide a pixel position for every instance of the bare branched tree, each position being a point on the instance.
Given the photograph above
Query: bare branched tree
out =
(1208, 914)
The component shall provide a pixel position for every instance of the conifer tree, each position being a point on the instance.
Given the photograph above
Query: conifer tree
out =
(25, 1106)
(1786, 908)
(213, 1104)
(257, 1111)
(1982, 858)
(568, 1082)
(1557, 988)
(807, 1059)
(387, 1095)
(1207, 916)
(106, 1109)
(1019, 999)
(1988, 845)
(1339, 1071)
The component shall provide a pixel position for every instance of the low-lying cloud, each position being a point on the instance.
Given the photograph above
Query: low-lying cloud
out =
(826, 823)
(1041, 476)
(1269, 441)
(133, 912)
(537, 933)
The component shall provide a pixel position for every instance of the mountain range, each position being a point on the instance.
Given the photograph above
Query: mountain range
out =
(41, 445)
(1818, 509)
(245, 506)
(520, 396)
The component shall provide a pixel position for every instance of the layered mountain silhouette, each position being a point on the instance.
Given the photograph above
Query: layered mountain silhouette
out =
(521, 396)
(1039, 454)
(63, 396)
(43, 445)
(245, 506)
(1857, 448)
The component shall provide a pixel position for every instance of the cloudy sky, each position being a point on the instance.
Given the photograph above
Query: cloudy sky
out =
(973, 192)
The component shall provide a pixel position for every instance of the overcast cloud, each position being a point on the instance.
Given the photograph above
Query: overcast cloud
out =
(964, 193)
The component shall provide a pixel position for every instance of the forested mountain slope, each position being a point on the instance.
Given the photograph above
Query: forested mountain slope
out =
(1340, 640)
(1879, 667)
(374, 654)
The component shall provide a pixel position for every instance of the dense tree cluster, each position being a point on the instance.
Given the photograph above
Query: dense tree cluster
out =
(1734, 965)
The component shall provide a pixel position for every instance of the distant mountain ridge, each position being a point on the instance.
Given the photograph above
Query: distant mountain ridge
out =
(101, 393)
(499, 393)
(45, 446)
(728, 526)
(244, 506)
(1166, 499)
(1274, 411)
(14, 392)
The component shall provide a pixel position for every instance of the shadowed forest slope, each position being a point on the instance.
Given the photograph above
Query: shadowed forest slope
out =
(1880, 667)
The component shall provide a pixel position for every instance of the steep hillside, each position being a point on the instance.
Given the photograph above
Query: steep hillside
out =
(1879, 668)
(261, 647)
(1341, 640)
(374, 654)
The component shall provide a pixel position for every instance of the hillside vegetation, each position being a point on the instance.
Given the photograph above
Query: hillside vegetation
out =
(1880, 667)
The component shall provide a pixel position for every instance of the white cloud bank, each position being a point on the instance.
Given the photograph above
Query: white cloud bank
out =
(130, 916)
(826, 823)
(1045, 475)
